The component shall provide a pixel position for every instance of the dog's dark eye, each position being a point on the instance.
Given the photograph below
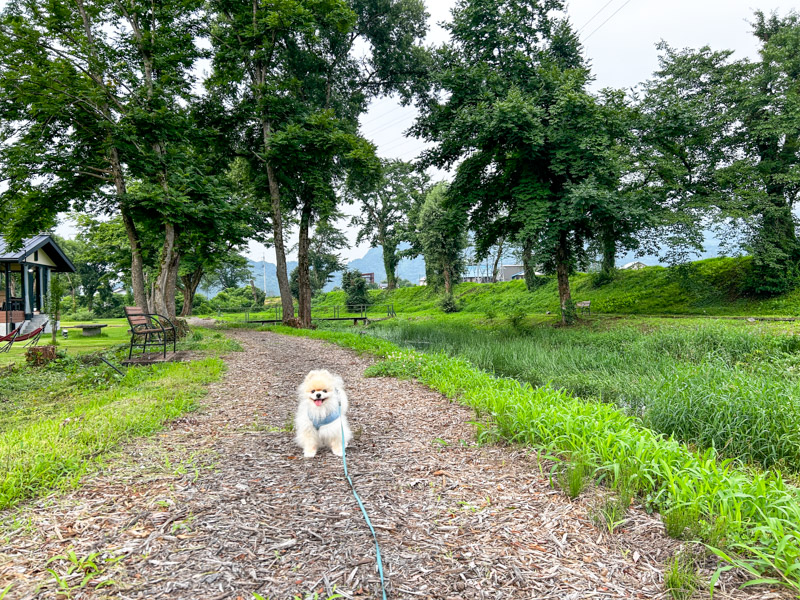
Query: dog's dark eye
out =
(324, 391)
(312, 391)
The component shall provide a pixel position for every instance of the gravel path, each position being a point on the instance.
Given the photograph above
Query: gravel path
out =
(223, 505)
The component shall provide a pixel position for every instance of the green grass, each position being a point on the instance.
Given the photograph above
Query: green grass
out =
(724, 385)
(112, 337)
(58, 421)
(681, 579)
(761, 512)
(714, 286)
(114, 334)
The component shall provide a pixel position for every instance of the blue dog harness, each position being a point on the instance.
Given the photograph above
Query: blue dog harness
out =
(317, 423)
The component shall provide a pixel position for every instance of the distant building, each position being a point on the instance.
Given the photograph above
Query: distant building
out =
(423, 281)
(370, 277)
(476, 274)
(633, 266)
(510, 272)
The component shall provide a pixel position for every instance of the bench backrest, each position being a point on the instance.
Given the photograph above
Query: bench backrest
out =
(136, 316)
(583, 304)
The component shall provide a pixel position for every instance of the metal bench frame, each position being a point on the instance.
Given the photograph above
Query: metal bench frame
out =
(152, 328)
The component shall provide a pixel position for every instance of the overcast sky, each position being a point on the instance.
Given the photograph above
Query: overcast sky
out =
(619, 38)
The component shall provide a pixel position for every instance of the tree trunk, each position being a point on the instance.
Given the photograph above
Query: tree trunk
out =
(562, 274)
(498, 256)
(776, 248)
(164, 285)
(277, 235)
(303, 277)
(190, 284)
(609, 253)
(527, 265)
(390, 264)
(137, 263)
(448, 280)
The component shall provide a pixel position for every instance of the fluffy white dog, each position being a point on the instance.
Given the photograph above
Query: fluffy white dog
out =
(321, 412)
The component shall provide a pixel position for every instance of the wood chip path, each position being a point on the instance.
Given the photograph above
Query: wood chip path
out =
(222, 505)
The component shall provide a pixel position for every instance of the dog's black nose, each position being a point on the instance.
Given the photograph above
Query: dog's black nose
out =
(319, 395)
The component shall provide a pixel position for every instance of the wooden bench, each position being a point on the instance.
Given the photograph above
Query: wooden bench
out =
(151, 328)
(584, 305)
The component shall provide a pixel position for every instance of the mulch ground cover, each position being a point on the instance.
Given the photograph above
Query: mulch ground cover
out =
(222, 504)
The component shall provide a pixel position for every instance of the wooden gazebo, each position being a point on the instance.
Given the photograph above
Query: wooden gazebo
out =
(25, 278)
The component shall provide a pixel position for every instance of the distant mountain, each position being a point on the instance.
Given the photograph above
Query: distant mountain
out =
(372, 262)
(261, 268)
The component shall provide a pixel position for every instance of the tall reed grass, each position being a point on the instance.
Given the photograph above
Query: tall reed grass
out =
(711, 386)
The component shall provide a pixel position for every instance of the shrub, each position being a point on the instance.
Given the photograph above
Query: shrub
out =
(448, 304)
(516, 317)
(79, 315)
(355, 288)
(602, 277)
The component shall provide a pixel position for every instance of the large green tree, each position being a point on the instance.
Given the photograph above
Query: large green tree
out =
(296, 75)
(96, 115)
(441, 235)
(385, 210)
(535, 154)
(323, 257)
(722, 143)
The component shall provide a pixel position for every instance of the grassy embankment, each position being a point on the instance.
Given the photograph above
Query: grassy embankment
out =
(752, 517)
(708, 287)
(59, 421)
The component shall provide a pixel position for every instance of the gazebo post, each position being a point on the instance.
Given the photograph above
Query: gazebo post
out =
(8, 298)
(24, 284)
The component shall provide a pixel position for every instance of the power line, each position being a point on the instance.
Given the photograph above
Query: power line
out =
(594, 15)
(388, 112)
(607, 20)
(390, 124)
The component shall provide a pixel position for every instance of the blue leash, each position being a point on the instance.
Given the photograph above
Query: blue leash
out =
(366, 517)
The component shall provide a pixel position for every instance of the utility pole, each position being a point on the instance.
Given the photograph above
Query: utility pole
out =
(264, 264)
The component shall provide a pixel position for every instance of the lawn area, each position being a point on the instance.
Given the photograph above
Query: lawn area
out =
(60, 420)
(115, 334)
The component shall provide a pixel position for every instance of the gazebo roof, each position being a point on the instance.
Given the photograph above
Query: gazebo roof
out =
(31, 245)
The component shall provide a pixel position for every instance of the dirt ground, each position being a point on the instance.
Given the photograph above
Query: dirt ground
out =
(223, 505)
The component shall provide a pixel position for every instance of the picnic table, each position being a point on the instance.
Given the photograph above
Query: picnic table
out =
(88, 329)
